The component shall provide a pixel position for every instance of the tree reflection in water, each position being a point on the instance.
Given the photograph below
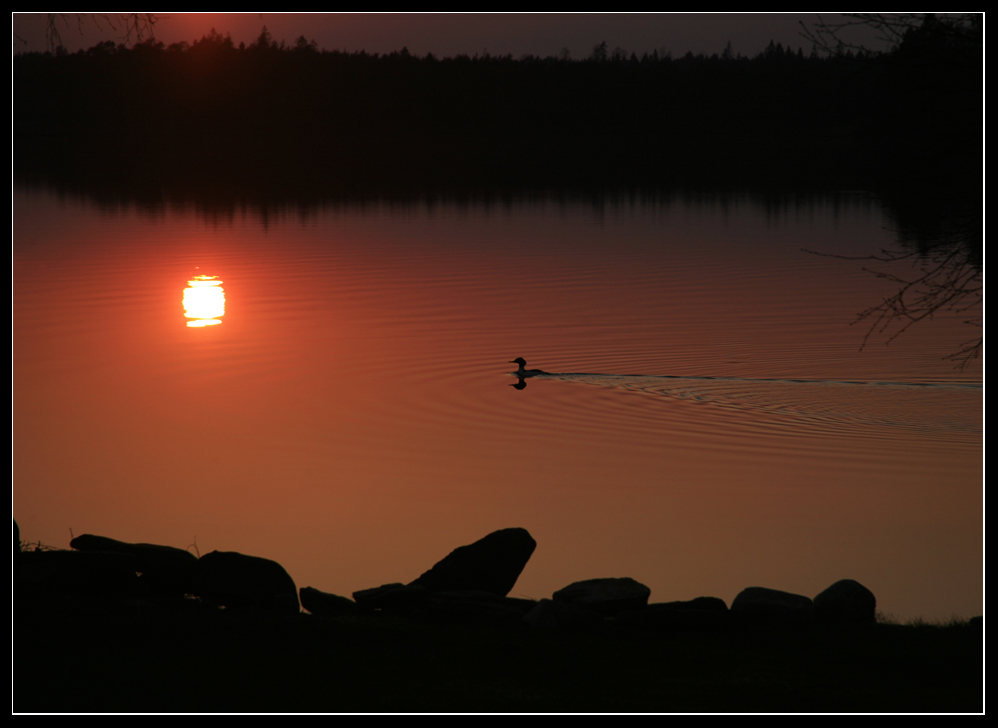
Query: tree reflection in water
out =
(943, 246)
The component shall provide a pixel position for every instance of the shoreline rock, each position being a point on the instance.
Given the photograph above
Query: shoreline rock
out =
(491, 564)
(468, 585)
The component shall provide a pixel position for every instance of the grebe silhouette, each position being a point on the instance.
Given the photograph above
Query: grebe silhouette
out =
(814, 401)
(522, 371)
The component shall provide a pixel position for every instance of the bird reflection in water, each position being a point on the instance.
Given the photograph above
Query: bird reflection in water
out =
(522, 373)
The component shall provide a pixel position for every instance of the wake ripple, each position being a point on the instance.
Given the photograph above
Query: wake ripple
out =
(955, 407)
(632, 380)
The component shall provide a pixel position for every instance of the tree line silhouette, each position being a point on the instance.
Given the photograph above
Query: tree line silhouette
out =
(269, 118)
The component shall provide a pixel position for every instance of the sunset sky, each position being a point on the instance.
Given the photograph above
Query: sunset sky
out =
(450, 34)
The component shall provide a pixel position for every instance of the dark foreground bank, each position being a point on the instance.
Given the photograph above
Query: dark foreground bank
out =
(148, 661)
(119, 627)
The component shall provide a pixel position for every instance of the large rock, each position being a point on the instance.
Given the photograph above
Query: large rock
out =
(605, 596)
(481, 608)
(846, 602)
(491, 564)
(758, 603)
(49, 578)
(702, 612)
(325, 604)
(242, 582)
(164, 570)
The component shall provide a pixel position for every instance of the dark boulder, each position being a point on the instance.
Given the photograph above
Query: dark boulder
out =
(164, 570)
(491, 564)
(325, 604)
(846, 602)
(605, 596)
(50, 578)
(759, 604)
(241, 582)
(700, 605)
(702, 612)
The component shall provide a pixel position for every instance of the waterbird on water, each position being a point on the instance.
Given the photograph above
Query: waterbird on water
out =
(522, 371)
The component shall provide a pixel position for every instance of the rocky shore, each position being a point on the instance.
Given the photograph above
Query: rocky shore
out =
(471, 583)
(774, 651)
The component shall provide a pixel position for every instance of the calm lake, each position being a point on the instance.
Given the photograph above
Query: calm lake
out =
(710, 422)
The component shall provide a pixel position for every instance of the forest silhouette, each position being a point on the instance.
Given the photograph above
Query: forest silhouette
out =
(212, 119)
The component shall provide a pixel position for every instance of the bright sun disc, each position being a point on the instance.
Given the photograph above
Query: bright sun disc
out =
(204, 301)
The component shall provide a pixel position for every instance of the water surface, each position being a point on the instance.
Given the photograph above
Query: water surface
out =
(709, 422)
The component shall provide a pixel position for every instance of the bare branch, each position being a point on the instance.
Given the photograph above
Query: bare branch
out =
(845, 35)
(946, 278)
(133, 27)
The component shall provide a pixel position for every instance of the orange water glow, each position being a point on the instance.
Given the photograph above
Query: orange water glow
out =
(204, 301)
(355, 422)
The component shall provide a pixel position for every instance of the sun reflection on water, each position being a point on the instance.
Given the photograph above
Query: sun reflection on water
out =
(204, 301)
